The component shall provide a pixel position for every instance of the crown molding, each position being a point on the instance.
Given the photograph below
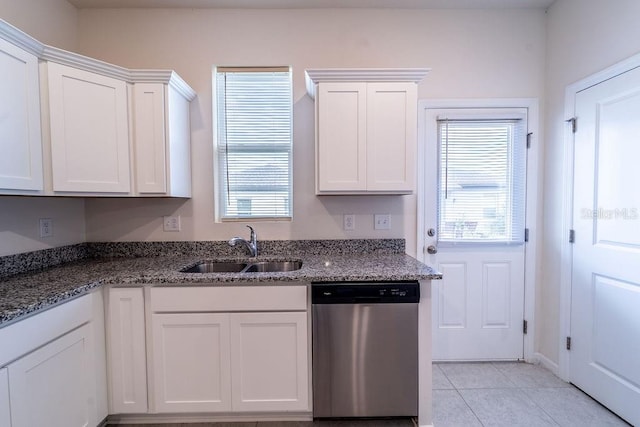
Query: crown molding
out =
(19, 38)
(318, 75)
(76, 60)
(61, 56)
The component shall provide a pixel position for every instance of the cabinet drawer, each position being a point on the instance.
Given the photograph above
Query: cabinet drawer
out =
(226, 298)
(26, 335)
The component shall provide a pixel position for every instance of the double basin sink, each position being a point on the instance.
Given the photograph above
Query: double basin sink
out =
(243, 267)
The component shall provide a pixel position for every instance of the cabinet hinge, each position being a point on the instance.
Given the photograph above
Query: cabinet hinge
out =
(526, 234)
(574, 124)
(568, 343)
(524, 327)
(572, 236)
(529, 135)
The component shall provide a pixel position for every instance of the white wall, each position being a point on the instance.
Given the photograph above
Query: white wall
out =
(583, 37)
(473, 54)
(52, 22)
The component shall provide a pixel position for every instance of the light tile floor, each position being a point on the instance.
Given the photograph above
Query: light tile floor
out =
(512, 394)
(491, 394)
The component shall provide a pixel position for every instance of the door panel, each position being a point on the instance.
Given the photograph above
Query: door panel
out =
(605, 291)
(191, 362)
(474, 192)
(37, 379)
(479, 310)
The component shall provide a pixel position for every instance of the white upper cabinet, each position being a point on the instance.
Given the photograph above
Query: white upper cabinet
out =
(366, 129)
(71, 125)
(20, 136)
(162, 138)
(89, 131)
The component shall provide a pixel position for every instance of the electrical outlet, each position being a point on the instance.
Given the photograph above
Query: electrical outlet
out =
(171, 223)
(46, 227)
(349, 222)
(382, 222)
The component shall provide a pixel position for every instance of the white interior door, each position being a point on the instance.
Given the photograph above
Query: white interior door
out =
(605, 291)
(474, 219)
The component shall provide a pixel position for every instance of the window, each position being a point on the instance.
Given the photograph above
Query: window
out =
(254, 142)
(482, 180)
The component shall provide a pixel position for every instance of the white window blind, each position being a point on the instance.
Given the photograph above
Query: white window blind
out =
(482, 180)
(254, 142)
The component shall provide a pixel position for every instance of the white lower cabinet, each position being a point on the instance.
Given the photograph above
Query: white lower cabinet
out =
(5, 411)
(269, 370)
(126, 350)
(191, 362)
(233, 349)
(54, 386)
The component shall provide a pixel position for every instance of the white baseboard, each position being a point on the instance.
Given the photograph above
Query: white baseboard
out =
(547, 363)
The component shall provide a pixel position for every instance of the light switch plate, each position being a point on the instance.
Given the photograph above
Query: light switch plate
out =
(382, 222)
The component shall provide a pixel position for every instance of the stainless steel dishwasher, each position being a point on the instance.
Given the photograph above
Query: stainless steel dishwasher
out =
(365, 349)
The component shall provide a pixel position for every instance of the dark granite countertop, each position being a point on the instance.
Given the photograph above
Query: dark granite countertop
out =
(26, 293)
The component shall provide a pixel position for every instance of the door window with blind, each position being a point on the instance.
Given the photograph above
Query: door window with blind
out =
(253, 142)
(481, 188)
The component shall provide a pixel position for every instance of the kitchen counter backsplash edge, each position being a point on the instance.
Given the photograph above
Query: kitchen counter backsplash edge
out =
(11, 265)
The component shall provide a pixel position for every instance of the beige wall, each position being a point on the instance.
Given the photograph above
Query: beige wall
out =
(52, 22)
(584, 37)
(473, 54)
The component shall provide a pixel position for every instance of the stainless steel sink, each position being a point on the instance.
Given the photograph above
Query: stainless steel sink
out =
(215, 267)
(273, 266)
(243, 267)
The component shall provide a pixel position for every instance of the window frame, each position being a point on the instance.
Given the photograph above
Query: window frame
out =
(220, 199)
(488, 115)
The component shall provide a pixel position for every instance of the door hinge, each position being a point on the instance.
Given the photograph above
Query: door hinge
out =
(574, 124)
(524, 327)
(572, 236)
(568, 343)
(526, 235)
(529, 135)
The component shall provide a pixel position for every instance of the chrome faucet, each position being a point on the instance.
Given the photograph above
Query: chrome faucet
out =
(251, 245)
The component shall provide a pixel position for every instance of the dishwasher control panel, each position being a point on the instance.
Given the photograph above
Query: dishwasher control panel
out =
(365, 292)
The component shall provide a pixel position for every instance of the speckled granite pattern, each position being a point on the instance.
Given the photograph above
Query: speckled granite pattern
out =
(27, 293)
(265, 247)
(15, 264)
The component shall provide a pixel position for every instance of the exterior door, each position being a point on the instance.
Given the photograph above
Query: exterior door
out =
(475, 187)
(605, 290)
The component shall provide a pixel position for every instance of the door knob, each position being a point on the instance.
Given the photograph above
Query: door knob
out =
(432, 249)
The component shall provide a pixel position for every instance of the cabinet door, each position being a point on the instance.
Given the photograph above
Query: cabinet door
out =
(391, 136)
(54, 386)
(150, 137)
(20, 136)
(127, 352)
(341, 137)
(191, 362)
(89, 131)
(5, 413)
(270, 365)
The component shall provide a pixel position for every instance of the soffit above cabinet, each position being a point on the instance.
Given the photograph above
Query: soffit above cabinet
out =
(49, 53)
(321, 75)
